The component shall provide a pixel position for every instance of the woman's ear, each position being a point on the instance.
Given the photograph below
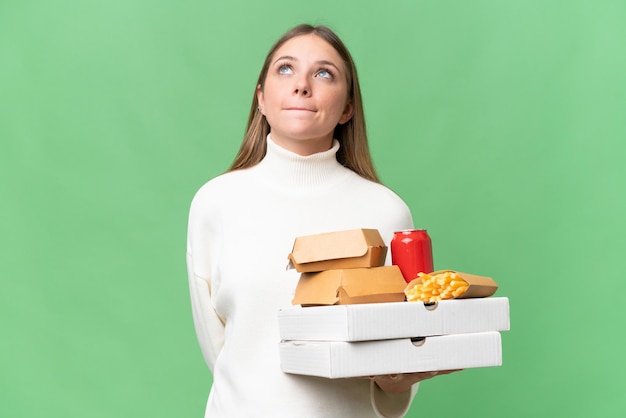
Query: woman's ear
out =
(260, 100)
(347, 113)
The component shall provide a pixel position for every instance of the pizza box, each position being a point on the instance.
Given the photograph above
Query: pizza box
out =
(341, 359)
(390, 320)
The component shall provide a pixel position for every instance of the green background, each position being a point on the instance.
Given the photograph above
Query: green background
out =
(501, 123)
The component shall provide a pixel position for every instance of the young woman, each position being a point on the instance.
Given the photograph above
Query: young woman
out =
(303, 168)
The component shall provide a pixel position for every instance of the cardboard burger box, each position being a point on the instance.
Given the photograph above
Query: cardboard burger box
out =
(350, 286)
(379, 321)
(353, 248)
(339, 359)
(344, 267)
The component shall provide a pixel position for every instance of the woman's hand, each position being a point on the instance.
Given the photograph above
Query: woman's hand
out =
(398, 383)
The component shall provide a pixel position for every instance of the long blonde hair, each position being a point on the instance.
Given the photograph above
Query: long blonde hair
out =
(354, 151)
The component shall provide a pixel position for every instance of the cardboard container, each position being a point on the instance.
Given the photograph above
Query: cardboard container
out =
(349, 286)
(479, 286)
(337, 359)
(377, 321)
(354, 248)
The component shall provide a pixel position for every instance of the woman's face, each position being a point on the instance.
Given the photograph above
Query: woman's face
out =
(305, 95)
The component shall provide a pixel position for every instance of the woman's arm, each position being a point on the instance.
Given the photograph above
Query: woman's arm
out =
(203, 234)
(392, 393)
(391, 405)
(208, 324)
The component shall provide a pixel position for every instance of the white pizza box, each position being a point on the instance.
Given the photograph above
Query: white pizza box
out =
(340, 359)
(390, 320)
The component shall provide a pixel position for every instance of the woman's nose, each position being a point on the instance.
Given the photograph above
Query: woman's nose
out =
(302, 87)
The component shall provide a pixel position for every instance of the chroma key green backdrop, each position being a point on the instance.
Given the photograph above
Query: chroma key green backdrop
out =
(501, 123)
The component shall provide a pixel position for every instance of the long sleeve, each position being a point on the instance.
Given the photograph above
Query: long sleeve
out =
(200, 250)
(209, 326)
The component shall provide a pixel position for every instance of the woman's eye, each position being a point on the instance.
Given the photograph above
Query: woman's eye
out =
(324, 73)
(284, 69)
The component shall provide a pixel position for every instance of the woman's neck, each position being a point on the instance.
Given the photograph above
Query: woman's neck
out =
(285, 167)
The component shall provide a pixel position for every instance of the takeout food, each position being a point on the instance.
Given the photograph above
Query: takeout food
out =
(448, 284)
(431, 288)
(344, 267)
(347, 267)
(348, 286)
(354, 248)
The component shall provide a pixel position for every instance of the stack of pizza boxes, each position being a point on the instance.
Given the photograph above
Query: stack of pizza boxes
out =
(350, 317)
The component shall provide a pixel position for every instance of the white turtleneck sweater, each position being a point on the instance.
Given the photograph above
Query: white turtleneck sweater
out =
(242, 226)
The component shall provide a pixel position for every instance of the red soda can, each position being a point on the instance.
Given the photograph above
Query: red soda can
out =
(412, 252)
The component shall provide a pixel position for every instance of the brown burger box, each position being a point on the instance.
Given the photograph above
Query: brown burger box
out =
(350, 286)
(355, 248)
(479, 286)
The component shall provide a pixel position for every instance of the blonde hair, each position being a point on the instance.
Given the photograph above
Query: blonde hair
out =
(354, 151)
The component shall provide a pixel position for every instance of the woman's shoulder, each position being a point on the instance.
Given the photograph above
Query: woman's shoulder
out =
(376, 190)
(220, 187)
(378, 195)
(226, 181)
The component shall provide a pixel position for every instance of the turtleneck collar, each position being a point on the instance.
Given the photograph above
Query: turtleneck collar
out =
(293, 170)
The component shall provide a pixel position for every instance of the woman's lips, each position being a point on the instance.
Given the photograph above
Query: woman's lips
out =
(302, 109)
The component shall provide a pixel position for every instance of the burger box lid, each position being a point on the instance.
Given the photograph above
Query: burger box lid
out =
(377, 321)
(338, 250)
(349, 286)
(339, 359)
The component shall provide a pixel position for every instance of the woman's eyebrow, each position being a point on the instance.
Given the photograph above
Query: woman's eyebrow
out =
(322, 62)
(285, 57)
(332, 64)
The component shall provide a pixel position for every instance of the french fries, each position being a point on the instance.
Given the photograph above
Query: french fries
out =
(436, 286)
